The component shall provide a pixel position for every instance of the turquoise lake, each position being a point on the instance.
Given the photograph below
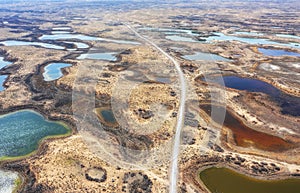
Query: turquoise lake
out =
(21, 132)
(53, 71)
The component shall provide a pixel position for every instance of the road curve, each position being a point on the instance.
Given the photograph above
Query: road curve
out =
(180, 117)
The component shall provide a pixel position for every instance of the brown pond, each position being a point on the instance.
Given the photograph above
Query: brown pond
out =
(243, 135)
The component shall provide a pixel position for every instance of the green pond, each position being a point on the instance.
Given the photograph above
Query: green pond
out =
(223, 180)
(21, 132)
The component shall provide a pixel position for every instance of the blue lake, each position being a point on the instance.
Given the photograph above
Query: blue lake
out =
(171, 31)
(287, 36)
(2, 79)
(223, 37)
(53, 71)
(61, 28)
(3, 63)
(24, 43)
(60, 32)
(186, 35)
(84, 38)
(79, 45)
(289, 104)
(99, 56)
(274, 52)
(21, 132)
(177, 35)
(248, 33)
(205, 57)
(178, 38)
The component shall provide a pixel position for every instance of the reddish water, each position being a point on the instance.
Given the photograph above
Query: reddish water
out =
(244, 136)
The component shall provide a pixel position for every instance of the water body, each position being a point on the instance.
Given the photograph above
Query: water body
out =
(171, 31)
(21, 132)
(61, 28)
(248, 33)
(60, 32)
(243, 135)
(7, 181)
(3, 63)
(84, 38)
(2, 80)
(289, 104)
(287, 36)
(111, 56)
(178, 35)
(178, 38)
(24, 43)
(205, 57)
(53, 71)
(68, 36)
(274, 52)
(223, 37)
(106, 116)
(223, 180)
(79, 45)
